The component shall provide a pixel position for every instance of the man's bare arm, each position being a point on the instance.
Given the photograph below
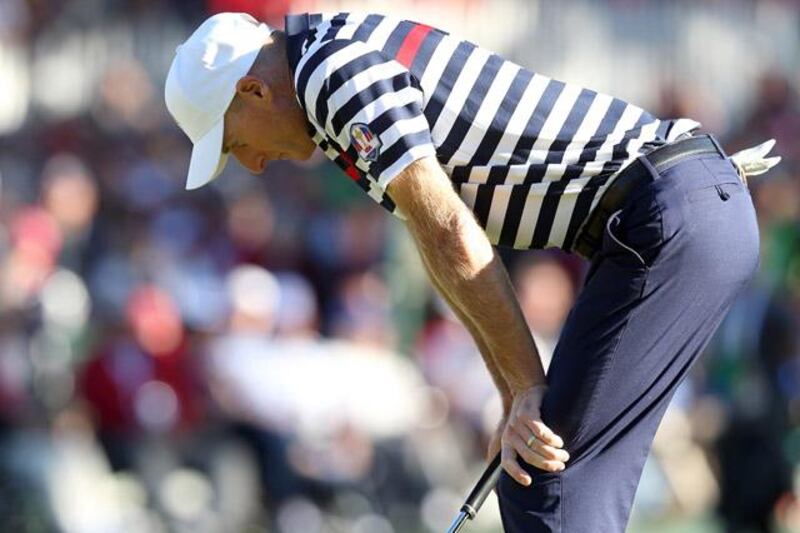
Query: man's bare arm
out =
(470, 273)
(473, 279)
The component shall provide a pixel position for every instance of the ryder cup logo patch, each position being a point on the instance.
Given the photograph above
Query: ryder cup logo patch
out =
(366, 143)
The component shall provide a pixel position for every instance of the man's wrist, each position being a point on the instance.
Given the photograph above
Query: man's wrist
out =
(508, 402)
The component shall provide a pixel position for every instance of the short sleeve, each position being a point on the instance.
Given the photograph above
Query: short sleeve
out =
(369, 104)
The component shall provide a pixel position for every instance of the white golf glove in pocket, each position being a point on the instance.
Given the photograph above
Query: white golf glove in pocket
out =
(753, 161)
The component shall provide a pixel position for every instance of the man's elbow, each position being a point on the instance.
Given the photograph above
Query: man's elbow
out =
(456, 241)
(443, 226)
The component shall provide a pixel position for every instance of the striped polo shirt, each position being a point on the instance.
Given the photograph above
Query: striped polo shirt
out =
(528, 154)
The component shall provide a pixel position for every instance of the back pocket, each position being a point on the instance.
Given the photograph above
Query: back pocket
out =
(716, 191)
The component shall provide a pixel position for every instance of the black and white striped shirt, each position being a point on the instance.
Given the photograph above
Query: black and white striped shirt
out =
(530, 155)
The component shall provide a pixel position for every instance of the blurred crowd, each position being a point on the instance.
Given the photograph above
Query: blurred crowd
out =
(265, 354)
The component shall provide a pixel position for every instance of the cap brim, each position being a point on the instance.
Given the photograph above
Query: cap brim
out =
(207, 161)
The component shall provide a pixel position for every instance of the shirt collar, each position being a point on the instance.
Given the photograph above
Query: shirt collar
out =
(297, 31)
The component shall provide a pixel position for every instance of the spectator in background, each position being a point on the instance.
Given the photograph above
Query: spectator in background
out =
(774, 113)
(753, 369)
(298, 314)
(142, 381)
(360, 311)
(546, 294)
(70, 195)
(251, 226)
(35, 244)
(236, 366)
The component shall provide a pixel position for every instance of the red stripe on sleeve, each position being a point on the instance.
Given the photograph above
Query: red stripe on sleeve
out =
(351, 170)
(408, 50)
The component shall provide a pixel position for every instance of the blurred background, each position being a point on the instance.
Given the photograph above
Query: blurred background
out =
(266, 355)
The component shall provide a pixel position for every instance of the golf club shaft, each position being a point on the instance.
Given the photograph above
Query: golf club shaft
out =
(480, 491)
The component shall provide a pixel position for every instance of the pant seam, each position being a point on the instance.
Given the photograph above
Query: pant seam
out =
(660, 246)
(592, 400)
(561, 525)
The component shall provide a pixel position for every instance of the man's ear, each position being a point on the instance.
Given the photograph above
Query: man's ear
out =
(251, 88)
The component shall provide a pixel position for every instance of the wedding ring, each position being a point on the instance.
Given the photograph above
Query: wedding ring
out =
(530, 440)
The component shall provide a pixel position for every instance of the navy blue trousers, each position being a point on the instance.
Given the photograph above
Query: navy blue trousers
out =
(672, 261)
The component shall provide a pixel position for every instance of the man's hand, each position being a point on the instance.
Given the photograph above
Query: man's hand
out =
(545, 452)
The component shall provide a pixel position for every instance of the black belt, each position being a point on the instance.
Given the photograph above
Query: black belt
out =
(589, 240)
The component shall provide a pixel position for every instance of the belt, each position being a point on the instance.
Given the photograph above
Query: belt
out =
(590, 238)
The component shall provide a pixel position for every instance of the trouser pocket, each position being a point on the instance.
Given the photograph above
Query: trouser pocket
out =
(717, 191)
(617, 243)
(633, 234)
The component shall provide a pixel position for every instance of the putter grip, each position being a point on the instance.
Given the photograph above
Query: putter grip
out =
(482, 489)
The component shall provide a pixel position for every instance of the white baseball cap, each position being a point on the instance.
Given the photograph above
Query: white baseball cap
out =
(201, 84)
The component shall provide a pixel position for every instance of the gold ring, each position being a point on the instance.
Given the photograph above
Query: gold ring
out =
(530, 440)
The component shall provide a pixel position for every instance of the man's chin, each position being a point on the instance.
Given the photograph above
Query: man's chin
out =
(307, 155)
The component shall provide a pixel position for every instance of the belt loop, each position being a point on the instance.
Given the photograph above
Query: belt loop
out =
(717, 145)
(651, 169)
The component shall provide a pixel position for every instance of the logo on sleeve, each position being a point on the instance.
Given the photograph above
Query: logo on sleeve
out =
(366, 143)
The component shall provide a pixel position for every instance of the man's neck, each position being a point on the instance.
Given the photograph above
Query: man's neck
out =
(275, 62)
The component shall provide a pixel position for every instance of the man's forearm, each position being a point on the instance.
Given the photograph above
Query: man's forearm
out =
(470, 272)
(486, 354)
(486, 298)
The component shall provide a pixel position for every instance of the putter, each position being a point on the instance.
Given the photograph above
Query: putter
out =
(480, 491)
